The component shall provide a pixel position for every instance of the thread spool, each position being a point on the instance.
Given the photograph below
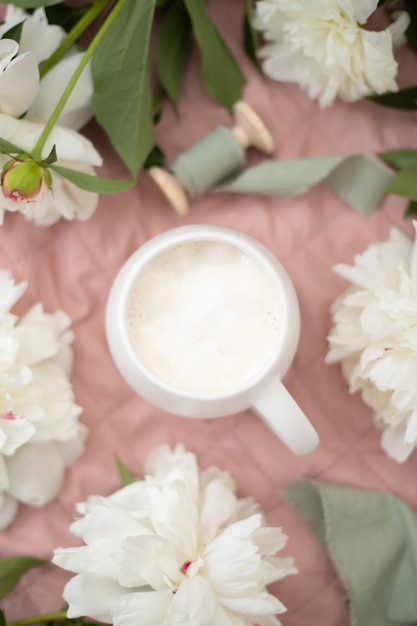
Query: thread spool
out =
(214, 158)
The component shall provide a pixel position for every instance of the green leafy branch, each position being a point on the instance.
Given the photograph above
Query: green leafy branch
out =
(121, 67)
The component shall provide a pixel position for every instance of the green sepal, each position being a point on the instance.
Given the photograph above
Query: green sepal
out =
(92, 183)
(52, 157)
(126, 477)
(12, 570)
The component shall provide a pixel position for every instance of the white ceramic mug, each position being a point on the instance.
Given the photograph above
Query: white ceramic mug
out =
(264, 393)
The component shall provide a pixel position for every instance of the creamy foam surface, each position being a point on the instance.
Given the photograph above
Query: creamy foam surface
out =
(203, 317)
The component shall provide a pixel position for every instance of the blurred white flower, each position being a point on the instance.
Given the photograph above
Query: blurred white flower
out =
(375, 337)
(64, 199)
(38, 42)
(324, 48)
(40, 434)
(175, 549)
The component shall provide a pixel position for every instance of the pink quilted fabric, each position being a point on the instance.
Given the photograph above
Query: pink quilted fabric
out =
(72, 266)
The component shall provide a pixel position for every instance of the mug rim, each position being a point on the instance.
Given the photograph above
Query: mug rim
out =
(202, 232)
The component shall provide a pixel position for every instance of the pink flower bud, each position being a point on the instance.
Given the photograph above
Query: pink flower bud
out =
(23, 180)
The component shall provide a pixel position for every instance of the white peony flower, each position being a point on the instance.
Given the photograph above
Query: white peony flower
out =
(40, 434)
(375, 337)
(64, 199)
(324, 48)
(175, 549)
(38, 42)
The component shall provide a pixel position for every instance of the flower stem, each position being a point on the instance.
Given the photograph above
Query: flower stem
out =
(40, 144)
(57, 616)
(73, 35)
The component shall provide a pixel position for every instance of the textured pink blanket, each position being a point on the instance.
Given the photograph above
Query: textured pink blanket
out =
(72, 266)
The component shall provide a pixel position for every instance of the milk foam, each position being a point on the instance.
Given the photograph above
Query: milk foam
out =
(203, 317)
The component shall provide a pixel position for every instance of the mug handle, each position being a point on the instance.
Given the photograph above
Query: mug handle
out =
(278, 409)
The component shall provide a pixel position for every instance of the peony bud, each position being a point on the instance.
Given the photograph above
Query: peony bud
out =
(22, 180)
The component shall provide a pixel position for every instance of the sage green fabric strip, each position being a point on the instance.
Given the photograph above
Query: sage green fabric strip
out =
(371, 537)
(358, 179)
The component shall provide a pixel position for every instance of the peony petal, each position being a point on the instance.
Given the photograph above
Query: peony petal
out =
(410, 435)
(139, 562)
(269, 540)
(19, 84)
(18, 431)
(261, 604)
(36, 473)
(10, 291)
(77, 111)
(38, 340)
(219, 504)
(92, 595)
(194, 603)
(401, 21)
(4, 478)
(146, 608)
(107, 520)
(8, 509)
(392, 441)
(70, 145)
(39, 36)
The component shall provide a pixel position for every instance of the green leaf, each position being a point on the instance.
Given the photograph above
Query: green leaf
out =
(250, 36)
(402, 99)
(65, 16)
(399, 158)
(156, 157)
(173, 47)
(33, 4)
(405, 183)
(122, 100)
(2, 618)
(89, 182)
(221, 74)
(411, 209)
(11, 571)
(125, 476)
(9, 148)
(411, 32)
(15, 32)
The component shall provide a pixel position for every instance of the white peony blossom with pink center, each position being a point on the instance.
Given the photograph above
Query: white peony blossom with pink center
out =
(175, 549)
(374, 337)
(40, 434)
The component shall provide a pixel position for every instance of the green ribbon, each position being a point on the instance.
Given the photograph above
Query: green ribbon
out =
(371, 537)
(358, 179)
(216, 162)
